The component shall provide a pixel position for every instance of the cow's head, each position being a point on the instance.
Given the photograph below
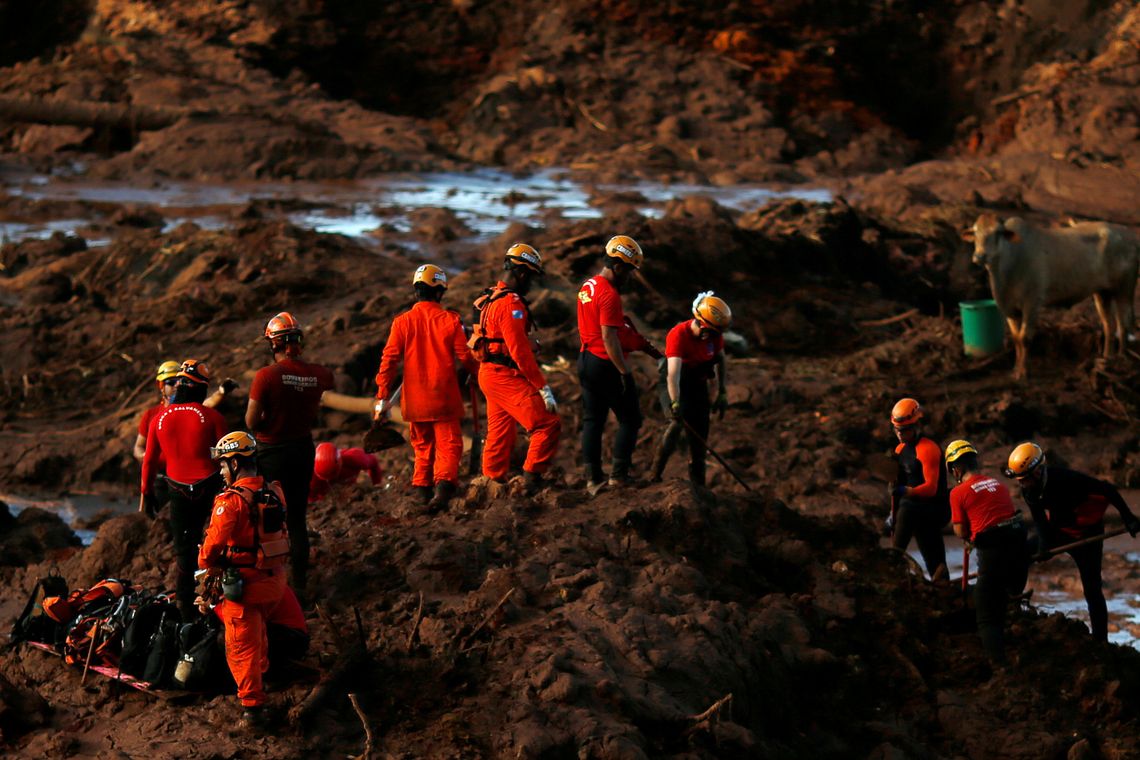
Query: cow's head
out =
(990, 237)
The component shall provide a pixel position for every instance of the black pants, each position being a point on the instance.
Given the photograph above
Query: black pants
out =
(923, 521)
(1003, 566)
(1089, 559)
(695, 411)
(601, 393)
(190, 505)
(291, 465)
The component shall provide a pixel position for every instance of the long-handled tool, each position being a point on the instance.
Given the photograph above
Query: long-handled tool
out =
(475, 457)
(1083, 542)
(894, 506)
(383, 435)
(697, 437)
(965, 568)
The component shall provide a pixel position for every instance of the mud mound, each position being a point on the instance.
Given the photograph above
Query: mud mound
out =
(32, 536)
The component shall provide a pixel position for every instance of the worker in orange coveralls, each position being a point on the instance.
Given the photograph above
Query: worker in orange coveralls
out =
(260, 558)
(516, 390)
(430, 341)
(332, 465)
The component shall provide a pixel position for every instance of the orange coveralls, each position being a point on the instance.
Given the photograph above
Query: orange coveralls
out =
(247, 648)
(512, 394)
(429, 339)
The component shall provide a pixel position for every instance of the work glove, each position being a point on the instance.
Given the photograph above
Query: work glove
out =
(229, 385)
(548, 399)
(889, 525)
(1132, 525)
(380, 409)
(148, 505)
(628, 386)
(898, 492)
(721, 404)
(675, 410)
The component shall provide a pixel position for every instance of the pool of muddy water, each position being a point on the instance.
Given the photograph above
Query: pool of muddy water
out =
(486, 201)
(76, 510)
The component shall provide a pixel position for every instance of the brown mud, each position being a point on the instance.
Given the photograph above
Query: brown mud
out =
(627, 616)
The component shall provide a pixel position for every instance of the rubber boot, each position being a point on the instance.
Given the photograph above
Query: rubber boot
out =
(423, 493)
(619, 474)
(697, 473)
(444, 490)
(532, 483)
(665, 450)
(595, 481)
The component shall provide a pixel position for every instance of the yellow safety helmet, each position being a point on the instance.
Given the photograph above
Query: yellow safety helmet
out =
(625, 249)
(430, 275)
(711, 311)
(236, 444)
(905, 413)
(1024, 459)
(167, 371)
(957, 449)
(526, 256)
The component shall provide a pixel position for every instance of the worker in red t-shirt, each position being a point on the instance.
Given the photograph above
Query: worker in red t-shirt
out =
(283, 402)
(332, 466)
(919, 492)
(516, 390)
(606, 337)
(694, 353)
(983, 515)
(182, 436)
(431, 342)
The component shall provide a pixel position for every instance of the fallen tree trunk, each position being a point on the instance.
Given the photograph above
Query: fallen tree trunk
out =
(79, 113)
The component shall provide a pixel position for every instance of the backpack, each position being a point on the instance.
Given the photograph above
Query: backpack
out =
(202, 664)
(62, 608)
(33, 624)
(149, 615)
(270, 537)
(479, 343)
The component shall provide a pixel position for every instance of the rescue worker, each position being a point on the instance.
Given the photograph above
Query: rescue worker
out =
(232, 542)
(984, 515)
(182, 435)
(606, 378)
(919, 491)
(694, 353)
(332, 465)
(165, 378)
(283, 402)
(1068, 506)
(431, 342)
(509, 376)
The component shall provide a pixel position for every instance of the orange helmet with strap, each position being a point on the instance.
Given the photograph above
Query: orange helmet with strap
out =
(284, 332)
(905, 413)
(626, 250)
(711, 311)
(236, 444)
(1024, 460)
(194, 371)
(430, 275)
(525, 256)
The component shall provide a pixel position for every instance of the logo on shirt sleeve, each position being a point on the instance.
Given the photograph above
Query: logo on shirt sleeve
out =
(517, 314)
(220, 511)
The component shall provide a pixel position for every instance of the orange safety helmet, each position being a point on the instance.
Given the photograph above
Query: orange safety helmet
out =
(525, 256)
(283, 325)
(712, 312)
(166, 371)
(905, 413)
(626, 250)
(326, 463)
(236, 444)
(1024, 460)
(430, 275)
(194, 371)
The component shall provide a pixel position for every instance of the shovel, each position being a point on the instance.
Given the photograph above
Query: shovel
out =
(383, 434)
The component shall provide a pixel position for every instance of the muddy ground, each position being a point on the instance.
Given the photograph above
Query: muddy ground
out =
(628, 615)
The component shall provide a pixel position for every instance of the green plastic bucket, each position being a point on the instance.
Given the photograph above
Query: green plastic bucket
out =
(983, 327)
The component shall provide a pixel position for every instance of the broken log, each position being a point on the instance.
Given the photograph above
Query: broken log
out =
(80, 113)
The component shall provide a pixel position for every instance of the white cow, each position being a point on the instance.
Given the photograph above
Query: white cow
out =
(1031, 267)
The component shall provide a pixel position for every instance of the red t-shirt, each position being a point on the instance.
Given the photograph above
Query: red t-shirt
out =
(599, 305)
(289, 392)
(183, 433)
(981, 502)
(144, 429)
(689, 348)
